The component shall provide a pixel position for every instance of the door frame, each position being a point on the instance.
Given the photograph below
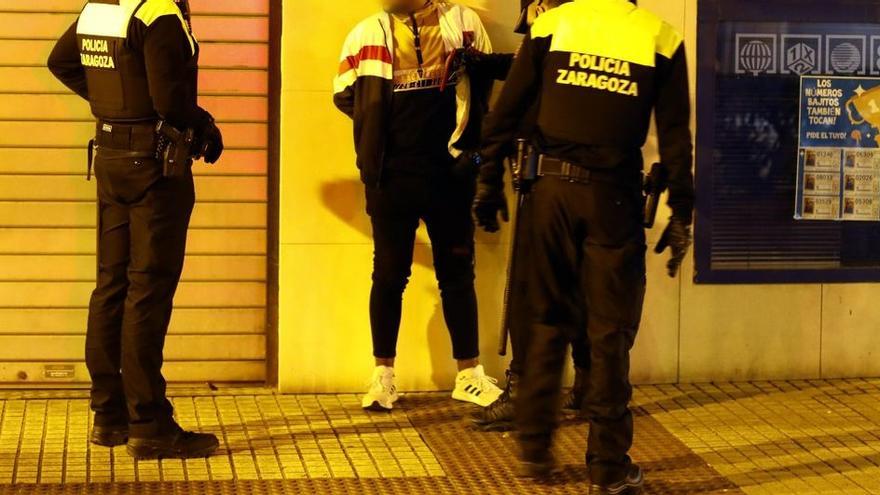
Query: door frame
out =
(274, 181)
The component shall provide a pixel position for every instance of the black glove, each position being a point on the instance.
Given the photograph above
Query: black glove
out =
(211, 143)
(467, 166)
(485, 65)
(676, 237)
(489, 202)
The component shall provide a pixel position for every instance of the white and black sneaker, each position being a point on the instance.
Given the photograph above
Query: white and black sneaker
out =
(473, 385)
(382, 393)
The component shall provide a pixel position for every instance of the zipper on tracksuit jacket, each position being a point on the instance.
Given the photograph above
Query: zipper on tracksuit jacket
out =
(381, 172)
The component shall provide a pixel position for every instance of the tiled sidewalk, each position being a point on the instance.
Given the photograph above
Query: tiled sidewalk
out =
(782, 437)
(787, 437)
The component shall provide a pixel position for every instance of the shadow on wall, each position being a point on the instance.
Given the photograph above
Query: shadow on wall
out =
(345, 199)
(499, 18)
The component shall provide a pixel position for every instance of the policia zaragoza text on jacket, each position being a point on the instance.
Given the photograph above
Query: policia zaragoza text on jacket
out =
(599, 68)
(136, 62)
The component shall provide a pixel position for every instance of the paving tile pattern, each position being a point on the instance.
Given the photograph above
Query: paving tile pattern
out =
(798, 437)
(755, 438)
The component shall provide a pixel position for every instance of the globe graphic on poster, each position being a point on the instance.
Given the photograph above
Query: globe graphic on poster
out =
(756, 57)
(846, 58)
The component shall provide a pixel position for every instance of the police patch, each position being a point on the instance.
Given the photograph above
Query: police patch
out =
(603, 73)
(97, 53)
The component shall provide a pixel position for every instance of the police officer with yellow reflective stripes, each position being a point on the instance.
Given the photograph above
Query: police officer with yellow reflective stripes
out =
(500, 415)
(599, 68)
(136, 62)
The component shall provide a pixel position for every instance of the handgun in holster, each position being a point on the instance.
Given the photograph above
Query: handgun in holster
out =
(655, 184)
(175, 148)
(524, 166)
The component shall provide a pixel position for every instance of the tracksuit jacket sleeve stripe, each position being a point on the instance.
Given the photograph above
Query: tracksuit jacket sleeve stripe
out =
(362, 56)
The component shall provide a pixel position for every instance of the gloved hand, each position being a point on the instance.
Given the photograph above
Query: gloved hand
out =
(489, 203)
(211, 143)
(485, 65)
(676, 237)
(466, 166)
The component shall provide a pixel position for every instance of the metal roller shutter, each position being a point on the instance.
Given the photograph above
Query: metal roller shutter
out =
(47, 208)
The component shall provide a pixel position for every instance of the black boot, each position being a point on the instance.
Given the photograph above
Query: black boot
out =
(574, 401)
(109, 435)
(538, 466)
(537, 460)
(178, 444)
(499, 415)
(631, 485)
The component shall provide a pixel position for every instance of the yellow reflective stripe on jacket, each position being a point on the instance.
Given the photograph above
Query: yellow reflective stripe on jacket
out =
(112, 21)
(668, 40)
(152, 10)
(614, 29)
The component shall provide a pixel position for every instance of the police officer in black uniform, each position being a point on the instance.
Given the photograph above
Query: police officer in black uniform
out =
(136, 62)
(598, 68)
(500, 415)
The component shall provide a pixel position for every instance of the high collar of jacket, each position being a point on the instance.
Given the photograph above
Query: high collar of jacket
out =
(605, 5)
(429, 8)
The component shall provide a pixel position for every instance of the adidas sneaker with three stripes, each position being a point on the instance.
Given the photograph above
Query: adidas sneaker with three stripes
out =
(382, 393)
(473, 385)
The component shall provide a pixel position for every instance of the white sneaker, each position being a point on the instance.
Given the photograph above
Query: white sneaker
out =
(383, 392)
(473, 385)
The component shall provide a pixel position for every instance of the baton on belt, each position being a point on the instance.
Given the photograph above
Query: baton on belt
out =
(524, 171)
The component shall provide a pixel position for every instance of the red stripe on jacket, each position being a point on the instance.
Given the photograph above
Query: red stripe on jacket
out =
(369, 52)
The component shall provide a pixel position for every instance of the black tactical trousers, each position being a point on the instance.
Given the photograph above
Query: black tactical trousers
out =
(444, 204)
(588, 255)
(143, 220)
(520, 306)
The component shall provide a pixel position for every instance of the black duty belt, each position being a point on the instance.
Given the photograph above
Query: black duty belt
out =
(135, 140)
(561, 169)
(135, 137)
(572, 172)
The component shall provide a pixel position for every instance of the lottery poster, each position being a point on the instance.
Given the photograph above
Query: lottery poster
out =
(839, 155)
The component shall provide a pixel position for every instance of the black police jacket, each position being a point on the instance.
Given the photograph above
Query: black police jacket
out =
(134, 61)
(598, 69)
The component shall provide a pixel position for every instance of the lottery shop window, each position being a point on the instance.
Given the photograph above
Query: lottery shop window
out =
(788, 141)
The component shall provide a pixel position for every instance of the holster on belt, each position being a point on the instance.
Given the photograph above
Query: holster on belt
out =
(524, 166)
(653, 184)
(174, 149)
(656, 183)
(162, 142)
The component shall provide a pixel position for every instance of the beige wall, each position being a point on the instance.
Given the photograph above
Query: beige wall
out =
(690, 333)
